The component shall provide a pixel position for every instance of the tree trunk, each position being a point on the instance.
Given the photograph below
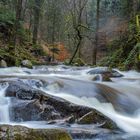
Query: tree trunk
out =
(17, 23)
(135, 6)
(37, 9)
(53, 34)
(78, 45)
(96, 34)
(25, 3)
(17, 28)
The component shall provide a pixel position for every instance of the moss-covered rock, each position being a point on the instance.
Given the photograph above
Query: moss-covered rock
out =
(3, 64)
(96, 117)
(106, 77)
(8, 132)
(102, 77)
(79, 62)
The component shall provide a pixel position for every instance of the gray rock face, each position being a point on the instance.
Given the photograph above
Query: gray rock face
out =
(27, 63)
(33, 111)
(21, 91)
(8, 132)
(29, 104)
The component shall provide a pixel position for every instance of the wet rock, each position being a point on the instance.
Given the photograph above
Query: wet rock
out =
(21, 91)
(102, 77)
(96, 78)
(116, 74)
(33, 82)
(28, 104)
(106, 77)
(47, 109)
(8, 132)
(106, 72)
(91, 133)
(27, 63)
(94, 117)
(3, 64)
(31, 104)
(33, 111)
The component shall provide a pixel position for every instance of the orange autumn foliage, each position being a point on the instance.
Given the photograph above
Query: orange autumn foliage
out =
(62, 54)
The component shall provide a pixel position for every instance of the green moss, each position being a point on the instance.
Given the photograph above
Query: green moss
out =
(94, 116)
(23, 133)
(79, 62)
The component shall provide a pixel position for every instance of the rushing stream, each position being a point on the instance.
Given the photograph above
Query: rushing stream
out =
(4, 105)
(119, 100)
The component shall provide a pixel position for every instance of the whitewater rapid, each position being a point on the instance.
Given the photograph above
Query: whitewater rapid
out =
(128, 85)
(4, 105)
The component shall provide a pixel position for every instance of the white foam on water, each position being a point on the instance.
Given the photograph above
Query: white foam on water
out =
(132, 74)
(129, 124)
(4, 105)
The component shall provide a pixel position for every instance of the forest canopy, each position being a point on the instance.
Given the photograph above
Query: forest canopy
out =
(75, 32)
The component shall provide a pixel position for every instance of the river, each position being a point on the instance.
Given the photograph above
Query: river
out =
(118, 99)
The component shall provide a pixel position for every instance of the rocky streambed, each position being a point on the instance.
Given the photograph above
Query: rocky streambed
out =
(64, 104)
(30, 104)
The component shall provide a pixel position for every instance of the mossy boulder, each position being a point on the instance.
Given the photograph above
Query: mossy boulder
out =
(79, 62)
(3, 64)
(102, 77)
(106, 77)
(94, 117)
(8, 132)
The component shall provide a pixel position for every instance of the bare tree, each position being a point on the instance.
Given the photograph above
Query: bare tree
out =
(18, 20)
(37, 10)
(77, 11)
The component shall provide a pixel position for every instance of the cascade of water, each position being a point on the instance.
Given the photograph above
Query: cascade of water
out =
(82, 90)
(4, 105)
(129, 124)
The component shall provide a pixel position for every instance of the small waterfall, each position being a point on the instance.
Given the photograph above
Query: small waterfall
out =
(128, 123)
(4, 105)
(77, 86)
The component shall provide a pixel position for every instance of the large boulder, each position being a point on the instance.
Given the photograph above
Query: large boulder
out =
(8, 132)
(105, 72)
(3, 64)
(29, 104)
(21, 90)
(32, 111)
